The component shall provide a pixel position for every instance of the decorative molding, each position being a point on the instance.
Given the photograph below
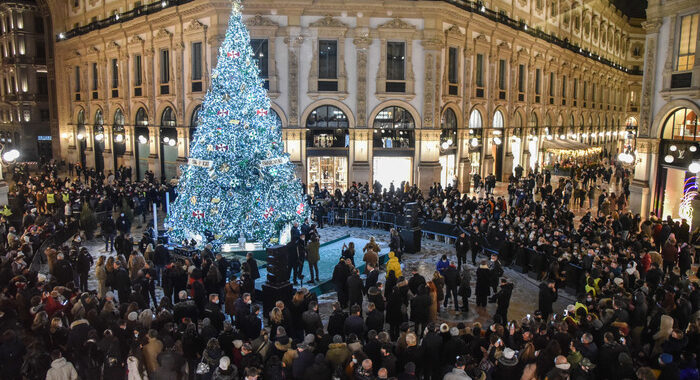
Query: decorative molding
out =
(93, 49)
(163, 33)
(651, 26)
(481, 38)
(647, 87)
(136, 39)
(195, 25)
(328, 22)
(259, 20)
(396, 23)
(112, 45)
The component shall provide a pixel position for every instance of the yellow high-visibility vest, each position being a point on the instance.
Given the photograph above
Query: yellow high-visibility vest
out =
(50, 198)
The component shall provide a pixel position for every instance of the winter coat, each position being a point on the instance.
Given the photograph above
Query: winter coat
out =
(233, 292)
(663, 334)
(420, 308)
(355, 286)
(456, 374)
(336, 323)
(547, 297)
(133, 372)
(483, 284)
(312, 255)
(230, 374)
(338, 355)
(371, 257)
(311, 321)
(354, 324)
(393, 265)
(101, 276)
(319, 370)
(305, 360)
(61, 369)
(150, 353)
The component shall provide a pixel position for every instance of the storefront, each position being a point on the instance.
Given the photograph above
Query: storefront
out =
(119, 139)
(82, 143)
(532, 141)
(678, 167)
(394, 146)
(327, 142)
(448, 148)
(99, 142)
(168, 144)
(142, 147)
(476, 133)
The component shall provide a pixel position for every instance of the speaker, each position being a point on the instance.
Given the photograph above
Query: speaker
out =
(277, 264)
(411, 239)
(410, 212)
(271, 293)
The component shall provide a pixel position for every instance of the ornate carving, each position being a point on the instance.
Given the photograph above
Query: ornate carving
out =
(396, 23)
(362, 42)
(651, 26)
(481, 38)
(194, 26)
(361, 86)
(328, 22)
(136, 39)
(93, 49)
(259, 20)
(293, 86)
(112, 45)
(163, 33)
(647, 88)
(76, 52)
(428, 94)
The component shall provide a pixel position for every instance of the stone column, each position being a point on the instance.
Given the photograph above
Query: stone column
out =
(361, 137)
(644, 170)
(108, 153)
(429, 167)
(129, 141)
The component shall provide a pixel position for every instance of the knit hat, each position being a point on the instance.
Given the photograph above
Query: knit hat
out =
(224, 362)
(132, 316)
(337, 338)
(444, 328)
(618, 281)
(508, 357)
(238, 343)
(454, 331)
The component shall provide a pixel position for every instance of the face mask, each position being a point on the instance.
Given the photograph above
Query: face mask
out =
(354, 360)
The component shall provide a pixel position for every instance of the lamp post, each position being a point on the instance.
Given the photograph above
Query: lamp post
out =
(6, 158)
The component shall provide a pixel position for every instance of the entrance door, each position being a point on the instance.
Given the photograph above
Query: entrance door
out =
(388, 170)
(447, 174)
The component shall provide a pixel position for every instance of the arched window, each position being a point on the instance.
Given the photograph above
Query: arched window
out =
(448, 135)
(118, 126)
(328, 127)
(98, 127)
(168, 118)
(99, 120)
(533, 120)
(277, 117)
(475, 120)
(81, 118)
(141, 117)
(498, 120)
(394, 128)
(681, 124)
(195, 116)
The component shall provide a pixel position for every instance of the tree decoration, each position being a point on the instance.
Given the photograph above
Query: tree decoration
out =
(234, 194)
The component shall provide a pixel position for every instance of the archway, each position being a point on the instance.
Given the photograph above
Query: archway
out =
(327, 143)
(394, 143)
(119, 144)
(99, 142)
(81, 137)
(497, 146)
(476, 133)
(448, 147)
(168, 144)
(142, 148)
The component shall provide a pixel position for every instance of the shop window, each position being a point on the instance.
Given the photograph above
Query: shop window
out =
(448, 134)
(328, 173)
(141, 117)
(394, 128)
(681, 125)
(327, 127)
(168, 118)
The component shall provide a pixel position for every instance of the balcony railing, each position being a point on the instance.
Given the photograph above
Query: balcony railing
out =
(467, 5)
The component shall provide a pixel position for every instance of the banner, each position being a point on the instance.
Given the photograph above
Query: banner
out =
(273, 161)
(202, 163)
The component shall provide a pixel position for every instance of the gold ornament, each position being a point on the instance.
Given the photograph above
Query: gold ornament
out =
(214, 210)
(235, 121)
(193, 200)
(224, 168)
(210, 148)
(215, 200)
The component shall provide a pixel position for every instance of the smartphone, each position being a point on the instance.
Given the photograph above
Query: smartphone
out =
(528, 317)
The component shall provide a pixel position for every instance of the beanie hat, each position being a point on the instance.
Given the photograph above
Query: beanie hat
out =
(224, 362)
(444, 328)
(132, 316)
(454, 331)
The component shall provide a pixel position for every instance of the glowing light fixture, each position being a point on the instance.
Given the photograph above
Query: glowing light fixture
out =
(668, 159)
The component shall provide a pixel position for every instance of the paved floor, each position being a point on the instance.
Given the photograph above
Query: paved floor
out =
(523, 301)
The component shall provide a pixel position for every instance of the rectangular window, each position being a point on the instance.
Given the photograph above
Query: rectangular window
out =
(479, 70)
(328, 65)
(395, 66)
(42, 83)
(502, 74)
(521, 78)
(452, 65)
(575, 88)
(260, 52)
(40, 50)
(452, 71)
(115, 73)
(95, 79)
(77, 78)
(164, 66)
(138, 73)
(196, 61)
(593, 93)
(538, 82)
(563, 86)
(39, 25)
(687, 41)
(551, 84)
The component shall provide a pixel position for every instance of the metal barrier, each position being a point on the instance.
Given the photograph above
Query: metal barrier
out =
(59, 237)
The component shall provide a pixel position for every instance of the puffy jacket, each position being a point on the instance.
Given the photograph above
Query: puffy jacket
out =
(61, 369)
(393, 265)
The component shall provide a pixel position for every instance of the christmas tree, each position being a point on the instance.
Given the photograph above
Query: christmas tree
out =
(238, 181)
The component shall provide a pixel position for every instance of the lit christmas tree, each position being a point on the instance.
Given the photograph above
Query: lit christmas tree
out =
(238, 182)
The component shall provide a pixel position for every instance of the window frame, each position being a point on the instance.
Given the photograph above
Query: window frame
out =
(394, 82)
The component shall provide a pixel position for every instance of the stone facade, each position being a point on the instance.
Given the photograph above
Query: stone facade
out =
(442, 45)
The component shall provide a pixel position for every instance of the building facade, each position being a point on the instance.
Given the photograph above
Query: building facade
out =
(667, 147)
(27, 111)
(416, 91)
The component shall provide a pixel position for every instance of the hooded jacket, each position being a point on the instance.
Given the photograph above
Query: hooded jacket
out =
(393, 265)
(61, 369)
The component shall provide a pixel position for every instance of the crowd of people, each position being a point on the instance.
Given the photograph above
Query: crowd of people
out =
(635, 313)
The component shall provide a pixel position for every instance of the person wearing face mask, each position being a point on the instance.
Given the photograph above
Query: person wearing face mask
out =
(213, 312)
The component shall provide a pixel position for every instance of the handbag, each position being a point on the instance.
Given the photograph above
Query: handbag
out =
(202, 368)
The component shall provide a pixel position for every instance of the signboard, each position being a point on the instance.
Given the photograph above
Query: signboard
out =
(201, 163)
(273, 161)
